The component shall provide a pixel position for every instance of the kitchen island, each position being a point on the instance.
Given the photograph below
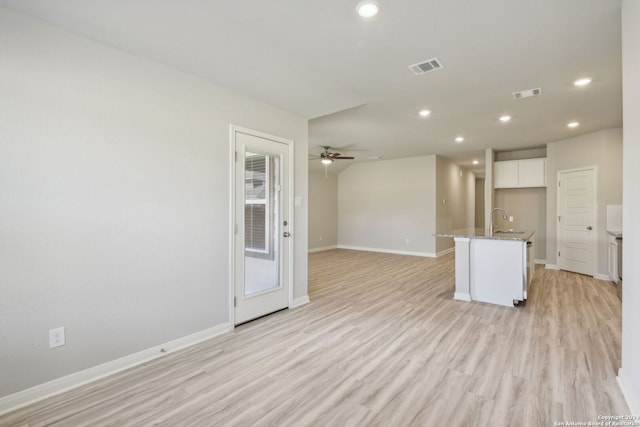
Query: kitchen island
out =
(492, 266)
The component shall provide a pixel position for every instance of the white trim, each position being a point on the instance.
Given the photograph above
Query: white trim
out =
(540, 261)
(551, 267)
(60, 385)
(601, 276)
(324, 248)
(297, 302)
(388, 251)
(232, 223)
(627, 391)
(292, 212)
(593, 243)
(459, 296)
(233, 129)
(446, 251)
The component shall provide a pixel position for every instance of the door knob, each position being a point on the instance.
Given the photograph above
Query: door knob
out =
(589, 228)
(286, 234)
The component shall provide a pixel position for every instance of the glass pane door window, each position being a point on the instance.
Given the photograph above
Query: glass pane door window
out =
(261, 222)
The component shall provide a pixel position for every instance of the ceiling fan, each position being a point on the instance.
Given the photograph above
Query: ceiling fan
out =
(328, 157)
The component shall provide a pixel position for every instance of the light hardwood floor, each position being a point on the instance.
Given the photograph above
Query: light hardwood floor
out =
(382, 343)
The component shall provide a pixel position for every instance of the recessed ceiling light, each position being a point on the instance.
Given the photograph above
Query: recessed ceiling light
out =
(505, 118)
(368, 9)
(582, 82)
(475, 162)
(573, 124)
(424, 113)
(459, 138)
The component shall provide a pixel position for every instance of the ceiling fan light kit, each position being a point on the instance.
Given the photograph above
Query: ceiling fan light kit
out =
(327, 157)
(368, 8)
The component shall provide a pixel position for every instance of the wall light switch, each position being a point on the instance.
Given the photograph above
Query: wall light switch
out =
(510, 219)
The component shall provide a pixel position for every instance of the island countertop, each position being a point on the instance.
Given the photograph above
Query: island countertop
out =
(485, 233)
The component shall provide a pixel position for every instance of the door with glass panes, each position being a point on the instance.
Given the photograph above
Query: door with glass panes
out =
(262, 224)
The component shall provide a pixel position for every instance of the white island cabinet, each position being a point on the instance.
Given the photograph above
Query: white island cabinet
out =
(492, 267)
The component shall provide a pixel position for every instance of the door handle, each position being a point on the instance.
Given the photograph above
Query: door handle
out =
(589, 228)
(286, 234)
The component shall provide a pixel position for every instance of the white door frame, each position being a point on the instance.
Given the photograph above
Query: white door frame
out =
(233, 129)
(594, 239)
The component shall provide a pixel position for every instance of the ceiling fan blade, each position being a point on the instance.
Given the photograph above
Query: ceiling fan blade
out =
(331, 156)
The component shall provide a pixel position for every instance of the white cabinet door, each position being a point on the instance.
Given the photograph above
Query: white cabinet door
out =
(505, 174)
(532, 173)
(520, 173)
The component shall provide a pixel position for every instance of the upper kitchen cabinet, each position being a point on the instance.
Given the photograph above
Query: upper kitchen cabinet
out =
(520, 173)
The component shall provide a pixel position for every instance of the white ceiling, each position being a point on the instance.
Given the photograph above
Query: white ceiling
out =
(320, 60)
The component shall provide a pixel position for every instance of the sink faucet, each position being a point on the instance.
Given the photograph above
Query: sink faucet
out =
(504, 216)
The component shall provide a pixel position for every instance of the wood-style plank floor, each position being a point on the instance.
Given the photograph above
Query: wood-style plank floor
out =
(382, 343)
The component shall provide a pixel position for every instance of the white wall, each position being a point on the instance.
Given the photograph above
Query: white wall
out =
(630, 372)
(602, 149)
(397, 205)
(470, 190)
(454, 205)
(489, 192)
(479, 202)
(323, 210)
(385, 204)
(114, 201)
(528, 206)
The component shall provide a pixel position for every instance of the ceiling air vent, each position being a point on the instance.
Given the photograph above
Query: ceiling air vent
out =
(527, 93)
(429, 65)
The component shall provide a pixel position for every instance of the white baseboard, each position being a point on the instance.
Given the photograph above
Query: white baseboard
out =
(60, 385)
(540, 261)
(324, 248)
(627, 391)
(598, 276)
(462, 297)
(388, 251)
(297, 302)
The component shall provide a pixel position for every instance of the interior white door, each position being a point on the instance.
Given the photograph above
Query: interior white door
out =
(577, 220)
(262, 220)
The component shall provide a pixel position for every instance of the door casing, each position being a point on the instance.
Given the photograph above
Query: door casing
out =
(233, 130)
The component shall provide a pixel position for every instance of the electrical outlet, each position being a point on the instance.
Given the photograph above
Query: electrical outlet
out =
(321, 238)
(510, 219)
(407, 240)
(56, 337)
